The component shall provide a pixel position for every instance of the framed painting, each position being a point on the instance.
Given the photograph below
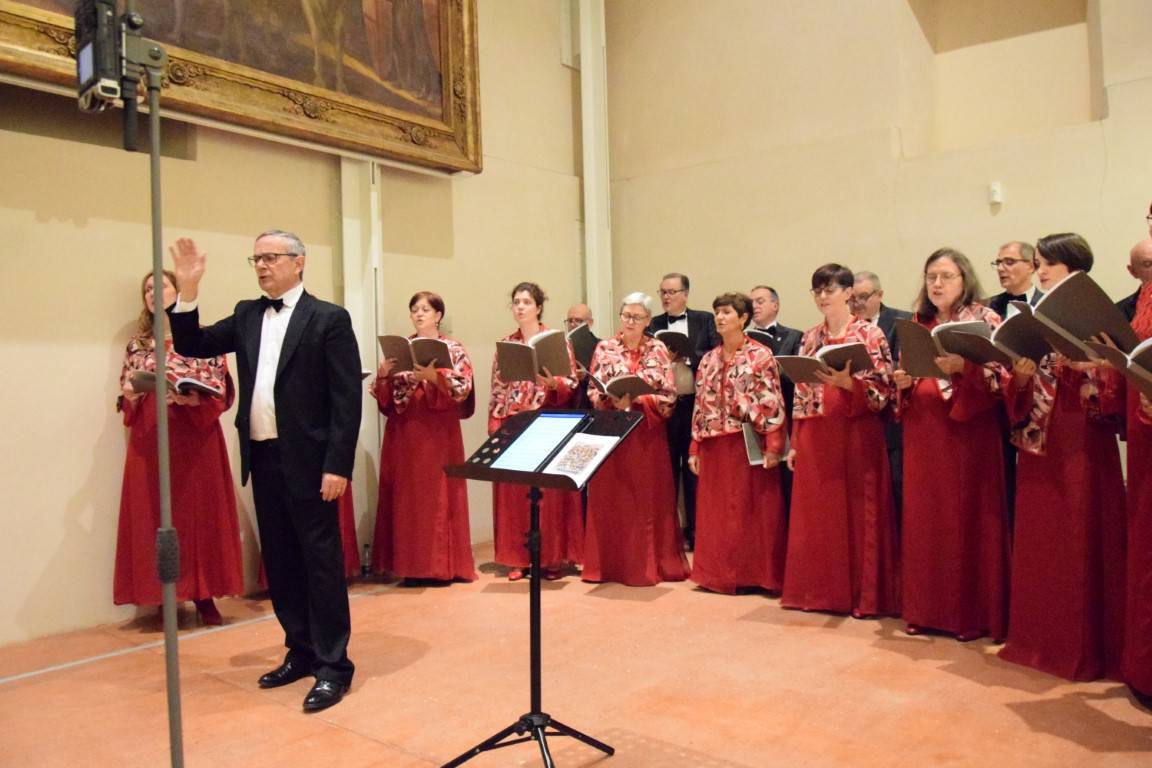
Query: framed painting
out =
(395, 79)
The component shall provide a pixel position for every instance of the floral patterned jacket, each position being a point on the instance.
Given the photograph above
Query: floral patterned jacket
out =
(650, 361)
(977, 387)
(512, 397)
(872, 390)
(1030, 405)
(213, 371)
(744, 389)
(395, 394)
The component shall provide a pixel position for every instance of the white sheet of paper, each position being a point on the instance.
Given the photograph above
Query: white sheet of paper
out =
(581, 456)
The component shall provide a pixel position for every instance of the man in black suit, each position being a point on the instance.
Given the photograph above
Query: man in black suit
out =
(1015, 268)
(581, 314)
(700, 327)
(765, 308)
(298, 418)
(868, 303)
(782, 341)
(1140, 267)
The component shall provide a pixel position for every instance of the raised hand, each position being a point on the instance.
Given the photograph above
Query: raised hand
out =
(188, 264)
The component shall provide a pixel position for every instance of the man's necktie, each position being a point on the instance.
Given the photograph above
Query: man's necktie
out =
(276, 304)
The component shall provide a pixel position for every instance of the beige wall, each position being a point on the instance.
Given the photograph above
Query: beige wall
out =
(779, 136)
(74, 221)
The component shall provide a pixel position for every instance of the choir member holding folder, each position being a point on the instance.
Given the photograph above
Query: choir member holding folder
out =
(633, 532)
(203, 499)
(422, 531)
(1067, 610)
(841, 538)
(1137, 665)
(741, 526)
(954, 554)
(561, 527)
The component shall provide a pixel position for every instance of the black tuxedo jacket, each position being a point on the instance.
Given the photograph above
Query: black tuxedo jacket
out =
(1127, 305)
(317, 389)
(701, 332)
(786, 340)
(886, 319)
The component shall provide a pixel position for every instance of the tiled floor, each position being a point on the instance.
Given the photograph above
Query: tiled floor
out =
(668, 675)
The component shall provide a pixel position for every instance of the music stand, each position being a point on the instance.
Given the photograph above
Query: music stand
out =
(542, 449)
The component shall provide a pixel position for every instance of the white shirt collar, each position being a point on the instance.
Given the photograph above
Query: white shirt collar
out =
(292, 295)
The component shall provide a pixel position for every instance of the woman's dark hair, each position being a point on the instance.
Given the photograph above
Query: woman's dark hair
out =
(537, 294)
(832, 274)
(144, 322)
(433, 300)
(1066, 248)
(925, 309)
(740, 304)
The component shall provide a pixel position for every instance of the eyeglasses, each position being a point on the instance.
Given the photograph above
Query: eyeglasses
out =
(860, 298)
(268, 258)
(671, 291)
(940, 277)
(572, 322)
(1008, 263)
(628, 317)
(827, 290)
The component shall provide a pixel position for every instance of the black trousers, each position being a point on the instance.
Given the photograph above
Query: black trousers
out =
(303, 559)
(679, 439)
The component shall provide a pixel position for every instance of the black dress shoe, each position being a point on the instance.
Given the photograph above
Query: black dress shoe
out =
(288, 672)
(324, 694)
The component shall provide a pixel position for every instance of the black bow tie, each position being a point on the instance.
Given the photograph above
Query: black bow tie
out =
(676, 318)
(1020, 297)
(276, 304)
(770, 330)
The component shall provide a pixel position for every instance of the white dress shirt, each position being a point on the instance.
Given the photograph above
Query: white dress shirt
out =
(262, 417)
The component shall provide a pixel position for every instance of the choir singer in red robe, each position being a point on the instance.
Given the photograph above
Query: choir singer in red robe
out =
(561, 526)
(1067, 611)
(955, 543)
(203, 497)
(842, 536)
(740, 523)
(633, 532)
(422, 531)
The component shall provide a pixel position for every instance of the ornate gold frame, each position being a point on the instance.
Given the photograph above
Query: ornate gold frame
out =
(40, 45)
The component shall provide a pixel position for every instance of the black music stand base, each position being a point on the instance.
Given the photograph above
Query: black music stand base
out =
(535, 725)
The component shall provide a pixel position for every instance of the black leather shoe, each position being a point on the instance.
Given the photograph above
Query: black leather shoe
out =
(288, 672)
(324, 694)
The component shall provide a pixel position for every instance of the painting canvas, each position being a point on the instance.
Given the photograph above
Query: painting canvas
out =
(395, 78)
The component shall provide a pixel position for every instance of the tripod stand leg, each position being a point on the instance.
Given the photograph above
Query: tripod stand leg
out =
(540, 736)
(489, 743)
(570, 731)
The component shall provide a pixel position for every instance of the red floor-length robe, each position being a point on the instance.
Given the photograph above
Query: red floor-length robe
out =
(741, 526)
(954, 553)
(202, 491)
(422, 528)
(632, 534)
(842, 536)
(561, 517)
(1067, 609)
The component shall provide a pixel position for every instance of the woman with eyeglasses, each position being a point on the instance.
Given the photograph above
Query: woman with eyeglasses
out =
(561, 526)
(632, 535)
(741, 526)
(1067, 610)
(954, 553)
(422, 531)
(203, 499)
(842, 534)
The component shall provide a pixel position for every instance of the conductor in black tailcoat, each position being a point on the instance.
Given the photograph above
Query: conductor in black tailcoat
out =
(298, 419)
(700, 327)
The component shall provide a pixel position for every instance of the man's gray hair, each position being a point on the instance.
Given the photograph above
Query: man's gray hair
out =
(637, 297)
(1027, 250)
(871, 277)
(295, 244)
